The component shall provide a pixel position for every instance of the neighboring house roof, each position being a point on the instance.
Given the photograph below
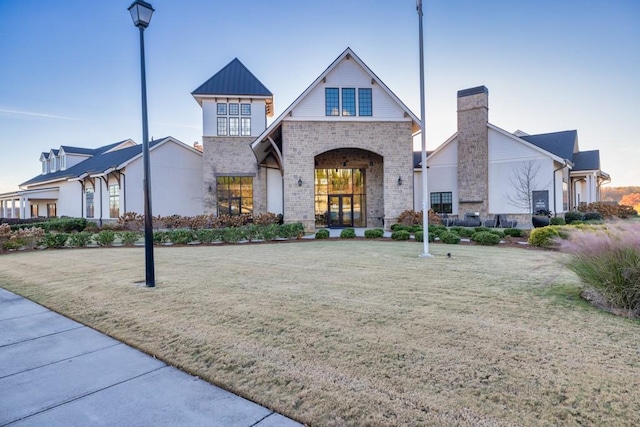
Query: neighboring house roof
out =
(586, 160)
(102, 160)
(78, 150)
(233, 79)
(417, 158)
(561, 144)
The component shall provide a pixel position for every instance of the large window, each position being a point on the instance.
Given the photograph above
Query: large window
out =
(335, 98)
(52, 210)
(235, 195)
(114, 201)
(348, 101)
(365, 104)
(34, 211)
(442, 202)
(340, 197)
(229, 122)
(332, 101)
(88, 195)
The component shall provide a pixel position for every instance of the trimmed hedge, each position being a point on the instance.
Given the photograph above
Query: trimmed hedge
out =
(557, 220)
(486, 238)
(513, 232)
(376, 233)
(400, 235)
(348, 233)
(322, 234)
(450, 238)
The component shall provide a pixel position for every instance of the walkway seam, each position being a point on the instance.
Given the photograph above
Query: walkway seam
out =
(43, 336)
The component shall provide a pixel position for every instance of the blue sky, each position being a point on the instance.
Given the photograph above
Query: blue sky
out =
(70, 69)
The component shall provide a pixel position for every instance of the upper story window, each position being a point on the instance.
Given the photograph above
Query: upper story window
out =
(63, 162)
(52, 167)
(332, 101)
(45, 167)
(348, 101)
(228, 122)
(345, 103)
(365, 103)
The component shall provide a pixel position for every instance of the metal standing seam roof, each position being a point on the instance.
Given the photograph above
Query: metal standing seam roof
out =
(233, 79)
(99, 162)
(559, 143)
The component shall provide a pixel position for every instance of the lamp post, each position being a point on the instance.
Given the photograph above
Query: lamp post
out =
(141, 14)
(425, 211)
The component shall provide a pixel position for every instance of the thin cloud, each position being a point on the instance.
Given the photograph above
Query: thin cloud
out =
(33, 114)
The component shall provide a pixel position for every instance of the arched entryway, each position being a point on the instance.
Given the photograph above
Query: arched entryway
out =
(348, 189)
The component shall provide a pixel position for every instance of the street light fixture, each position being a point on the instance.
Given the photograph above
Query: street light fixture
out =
(141, 14)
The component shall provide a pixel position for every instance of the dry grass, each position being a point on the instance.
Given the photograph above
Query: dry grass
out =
(361, 332)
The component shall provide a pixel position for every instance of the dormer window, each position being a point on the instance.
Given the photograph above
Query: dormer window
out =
(52, 167)
(63, 162)
(44, 167)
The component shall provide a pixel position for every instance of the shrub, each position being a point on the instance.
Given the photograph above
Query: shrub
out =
(513, 232)
(625, 211)
(181, 236)
(398, 227)
(291, 230)
(608, 210)
(322, 234)
(28, 238)
(543, 237)
(420, 236)
(557, 220)
(609, 262)
(414, 229)
(266, 219)
(131, 221)
(479, 229)
(128, 238)
(450, 238)
(270, 231)
(105, 237)
(376, 233)
(592, 216)
(233, 234)
(434, 228)
(55, 240)
(455, 229)
(160, 237)
(466, 232)
(486, 238)
(410, 217)
(208, 235)
(79, 240)
(400, 235)
(497, 232)
(348, 233)
(572, 216)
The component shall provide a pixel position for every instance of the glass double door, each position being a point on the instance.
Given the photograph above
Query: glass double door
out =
(340, 210)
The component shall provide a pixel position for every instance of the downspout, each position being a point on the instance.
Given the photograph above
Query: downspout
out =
(555, 211)
(81, 199)
(124, 191)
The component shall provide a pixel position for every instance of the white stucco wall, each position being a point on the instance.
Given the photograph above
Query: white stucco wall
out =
(274, 191)
(442, 175)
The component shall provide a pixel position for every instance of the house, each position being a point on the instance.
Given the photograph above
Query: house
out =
(340, 155)
(101, 184)
(485, 170)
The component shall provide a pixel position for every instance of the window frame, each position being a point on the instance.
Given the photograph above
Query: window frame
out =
(222, 130)
(329, 106)
(440, 206)
(245, 130)
(368, 90)
(221, 108)
(233, 190)
(114, 200)
(245, 109)
(89, 207)
(234, 130)
(348, 101)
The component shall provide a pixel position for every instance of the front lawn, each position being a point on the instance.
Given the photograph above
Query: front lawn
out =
(360, 332)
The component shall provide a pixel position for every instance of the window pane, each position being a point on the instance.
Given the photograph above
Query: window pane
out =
(222, 109)
(222, 126)
(332, 106)
(234, 109)
(89, 202)
(246, 126)
(234, 126)
(114, 201)
(365, 104)
(245, 109)
(235, 195)
(348, 102)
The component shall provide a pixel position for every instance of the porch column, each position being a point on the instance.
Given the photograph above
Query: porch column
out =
(13, 208)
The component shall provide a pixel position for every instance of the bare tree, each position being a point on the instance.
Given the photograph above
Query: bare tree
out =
(523, 181)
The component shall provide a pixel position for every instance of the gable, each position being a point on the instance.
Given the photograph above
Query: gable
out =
(347, 74)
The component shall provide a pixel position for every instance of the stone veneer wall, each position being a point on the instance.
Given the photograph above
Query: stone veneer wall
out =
(303, 141)
(473, 151)
(231, 155)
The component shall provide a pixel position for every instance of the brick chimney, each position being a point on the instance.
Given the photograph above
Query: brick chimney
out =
(473, 150)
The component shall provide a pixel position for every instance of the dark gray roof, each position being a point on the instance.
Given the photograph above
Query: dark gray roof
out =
(55, 152)
(233, 79)
(99, 162)
(586, 160)
(45, 155)
(559, 143)
(78, 150)
(472, 91)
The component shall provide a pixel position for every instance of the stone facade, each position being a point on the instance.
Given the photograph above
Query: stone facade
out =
(303, 141)
(231, 156)
(473, 150)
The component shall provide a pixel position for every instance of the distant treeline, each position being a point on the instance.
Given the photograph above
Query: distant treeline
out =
(615, 194)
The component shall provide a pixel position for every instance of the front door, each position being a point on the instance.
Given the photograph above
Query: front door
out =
(341, 211)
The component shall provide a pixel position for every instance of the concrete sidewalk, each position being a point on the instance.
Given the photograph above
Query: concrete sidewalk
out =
(57, 372)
